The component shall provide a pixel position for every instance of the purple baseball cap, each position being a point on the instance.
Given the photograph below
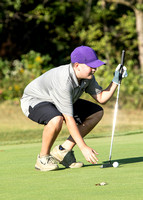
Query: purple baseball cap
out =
(86, 55)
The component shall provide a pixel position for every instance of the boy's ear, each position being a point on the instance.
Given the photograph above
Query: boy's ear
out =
(76, 65)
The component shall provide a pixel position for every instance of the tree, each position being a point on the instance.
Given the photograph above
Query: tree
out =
(137, 6)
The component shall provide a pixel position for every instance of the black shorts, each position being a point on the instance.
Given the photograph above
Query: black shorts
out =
(43, 112)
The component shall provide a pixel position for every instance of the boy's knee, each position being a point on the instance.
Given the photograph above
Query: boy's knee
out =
(100, 114)
(97, 116)
(58, 121)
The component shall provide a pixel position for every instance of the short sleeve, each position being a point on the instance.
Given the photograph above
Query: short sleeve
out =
(93, 88)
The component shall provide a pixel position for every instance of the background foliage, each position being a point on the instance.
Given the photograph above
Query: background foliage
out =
(37, 35)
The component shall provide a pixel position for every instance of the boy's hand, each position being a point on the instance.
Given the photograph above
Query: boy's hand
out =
(90, 154)
(119, 75)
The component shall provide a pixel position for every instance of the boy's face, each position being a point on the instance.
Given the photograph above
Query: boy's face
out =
(84, 71)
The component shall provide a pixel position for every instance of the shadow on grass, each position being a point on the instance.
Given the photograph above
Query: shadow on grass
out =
(127, 160)
(120, 161)
(91, 165)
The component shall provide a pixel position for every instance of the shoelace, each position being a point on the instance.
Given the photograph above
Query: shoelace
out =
(51, 160)
(48, 160)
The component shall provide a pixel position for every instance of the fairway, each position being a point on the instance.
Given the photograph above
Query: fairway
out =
(19, 180)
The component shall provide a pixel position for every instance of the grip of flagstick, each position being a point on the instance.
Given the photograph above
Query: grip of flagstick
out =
(122, 58)
(122, 64)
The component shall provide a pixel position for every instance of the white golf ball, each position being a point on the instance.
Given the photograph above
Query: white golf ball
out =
(115, 164)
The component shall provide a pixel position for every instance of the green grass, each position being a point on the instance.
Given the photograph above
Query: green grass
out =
(19, 180)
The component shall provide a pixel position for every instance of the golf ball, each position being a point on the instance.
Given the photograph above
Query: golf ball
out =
(115, 164)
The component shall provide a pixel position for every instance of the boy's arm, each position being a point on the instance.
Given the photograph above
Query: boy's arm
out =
(106, 94)
(88, 152)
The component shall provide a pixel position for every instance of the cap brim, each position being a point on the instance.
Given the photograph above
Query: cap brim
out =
(95, 64)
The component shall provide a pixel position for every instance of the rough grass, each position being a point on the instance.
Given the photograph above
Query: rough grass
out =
(15, 128)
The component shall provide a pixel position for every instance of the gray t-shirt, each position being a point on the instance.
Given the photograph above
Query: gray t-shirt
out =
(60, 87)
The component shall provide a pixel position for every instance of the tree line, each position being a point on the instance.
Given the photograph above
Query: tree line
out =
(49, 30)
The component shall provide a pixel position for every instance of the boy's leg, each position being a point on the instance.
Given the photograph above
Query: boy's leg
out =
(50, 133)
(46, 113)
(45, 162)
(84, 128)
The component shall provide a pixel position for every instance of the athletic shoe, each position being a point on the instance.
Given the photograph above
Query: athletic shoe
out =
(65, 157)
(46, 163)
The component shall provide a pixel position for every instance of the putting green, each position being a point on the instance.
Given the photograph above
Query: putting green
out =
(20, 181)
